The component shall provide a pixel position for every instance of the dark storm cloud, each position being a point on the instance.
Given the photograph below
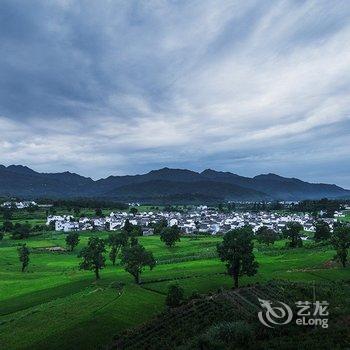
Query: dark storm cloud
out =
(122, 86)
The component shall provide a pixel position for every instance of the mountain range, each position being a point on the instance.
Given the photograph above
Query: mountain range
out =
(162, 186)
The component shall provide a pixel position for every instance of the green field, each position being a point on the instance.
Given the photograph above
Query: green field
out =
(56, 305)
(347, 216)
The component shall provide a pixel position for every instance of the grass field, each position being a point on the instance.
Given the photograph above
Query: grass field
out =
(55, 304)
(347, 216)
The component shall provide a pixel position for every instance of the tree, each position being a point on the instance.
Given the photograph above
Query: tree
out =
(134, 241)
(237, 251)
(76, 211)
(32, 208)
(136, 231)
(133, 211)
(128, 227)
(7, 214)
(52, 225)
(266, 235)
(72, 240)
(135, 258)
(20, 231)
(292, 232)
(341, 243)
(92, 255)
(116, 240)
(52, 210)
(1, 235)
(7, 226)
(23, 254)
(170, 235)
(175, 296)
(322, 232)
(98, 212)
(159, 226)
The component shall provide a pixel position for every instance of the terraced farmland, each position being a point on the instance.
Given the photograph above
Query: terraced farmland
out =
(55, 303)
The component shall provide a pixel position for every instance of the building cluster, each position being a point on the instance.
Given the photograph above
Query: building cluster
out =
(201, 220)
(19, 205)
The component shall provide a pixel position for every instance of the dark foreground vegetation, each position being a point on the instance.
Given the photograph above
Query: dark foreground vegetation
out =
(228, 319)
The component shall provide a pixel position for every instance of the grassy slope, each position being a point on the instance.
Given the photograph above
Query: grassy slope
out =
(56, 304)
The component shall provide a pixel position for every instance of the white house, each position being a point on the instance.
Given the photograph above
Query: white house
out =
(52, 218)
(66, 226)
(173, 222)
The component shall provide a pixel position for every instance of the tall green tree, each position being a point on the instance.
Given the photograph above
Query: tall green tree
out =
(23, 255)
(7, 226)
(322, 231)
(92, 255)
(116, 240)
(7, 214)
(135, 258)
(128, 227)
(170, 235)
(133, 211)
(72, 240)
(32, 208)
(341, 243)
(159, 226)
(292, 232)
(76, 211)
(136, 231)
(98, 212)
(236, 250)
(21, 231)
(266, 235)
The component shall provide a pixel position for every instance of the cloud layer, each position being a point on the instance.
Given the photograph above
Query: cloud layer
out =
(119, 87)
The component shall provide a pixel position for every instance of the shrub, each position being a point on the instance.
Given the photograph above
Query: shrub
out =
(239, 332)
(175, 296)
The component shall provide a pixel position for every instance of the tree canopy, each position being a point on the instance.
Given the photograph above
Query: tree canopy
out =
(116, 240)
(322, 232)
(341, 243)
(135, 258)
(170, 235)
(292, 232)
(23, 255)
(92, 255)
(237, 251)
(72, 240)
(266, 235)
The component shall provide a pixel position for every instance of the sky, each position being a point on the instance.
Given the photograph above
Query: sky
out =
(124, 87)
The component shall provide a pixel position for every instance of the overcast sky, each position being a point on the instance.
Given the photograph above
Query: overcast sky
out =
(123, 87)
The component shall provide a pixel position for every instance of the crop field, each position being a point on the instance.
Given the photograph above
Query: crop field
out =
(346, 218)
(55, 304)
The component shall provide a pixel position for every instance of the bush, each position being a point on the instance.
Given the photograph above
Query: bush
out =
(20, 231)
(195, 295)
(175, 296)
(239, 332)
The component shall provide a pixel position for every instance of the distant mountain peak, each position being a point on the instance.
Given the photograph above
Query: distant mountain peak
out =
(20, 169)
(168, 170)
(269, 175)
(212, 172)
(154, 186)
(209, 171)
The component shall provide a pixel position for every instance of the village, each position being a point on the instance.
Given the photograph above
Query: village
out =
(201, 220)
